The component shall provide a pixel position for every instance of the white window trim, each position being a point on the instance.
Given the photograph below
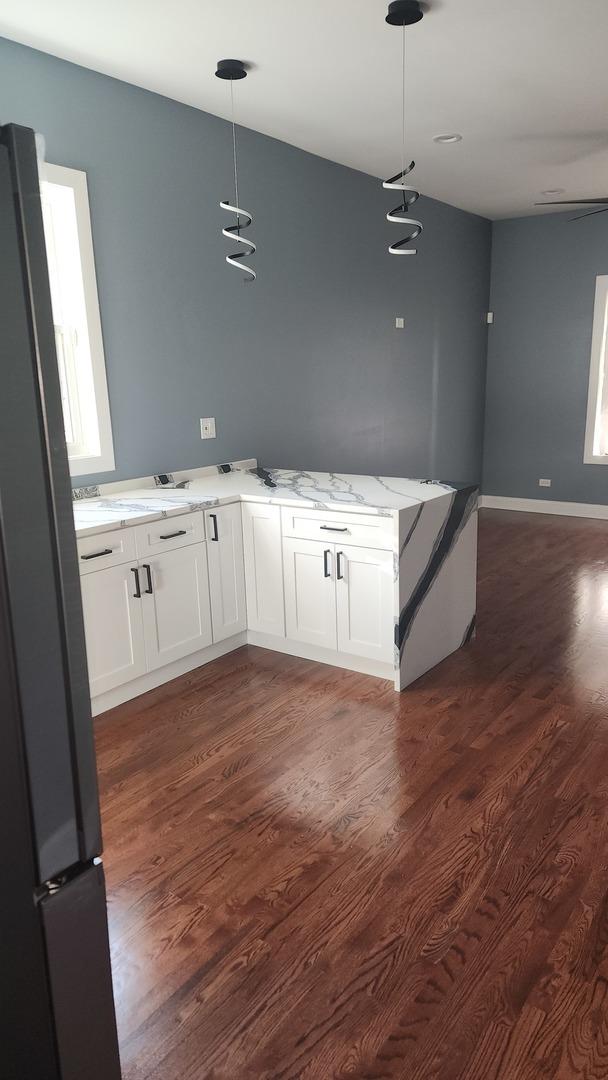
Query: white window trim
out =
(598, 371)
(77, 180)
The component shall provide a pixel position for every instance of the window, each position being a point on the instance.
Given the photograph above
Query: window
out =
(596, 434)
(82, 370)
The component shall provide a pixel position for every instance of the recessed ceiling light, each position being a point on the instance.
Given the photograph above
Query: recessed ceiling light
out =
(455, 137)
(553, 191)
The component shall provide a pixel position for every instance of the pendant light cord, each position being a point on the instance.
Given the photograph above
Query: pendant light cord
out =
(236, 178)
(403, 100)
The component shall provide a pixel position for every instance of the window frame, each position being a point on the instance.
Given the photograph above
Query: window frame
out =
(598, 373)
(76, 179)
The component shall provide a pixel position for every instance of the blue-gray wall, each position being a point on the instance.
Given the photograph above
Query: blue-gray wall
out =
(543, 289)
(304, 368)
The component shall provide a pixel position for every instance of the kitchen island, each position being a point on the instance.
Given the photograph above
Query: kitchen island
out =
(372, 573)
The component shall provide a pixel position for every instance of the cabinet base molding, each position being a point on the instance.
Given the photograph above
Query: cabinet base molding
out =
(162, 675)
(321, 655)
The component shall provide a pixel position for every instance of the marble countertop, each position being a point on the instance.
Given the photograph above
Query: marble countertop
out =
(332, 491)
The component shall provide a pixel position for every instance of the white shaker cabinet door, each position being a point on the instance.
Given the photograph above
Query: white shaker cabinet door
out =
(175, 603)
(310, 592)
(226, 570)
(113, 627)
(264, 568)
(365, 602)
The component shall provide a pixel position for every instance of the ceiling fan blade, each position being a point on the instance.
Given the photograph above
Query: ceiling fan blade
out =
(572, 202)
(590, 213)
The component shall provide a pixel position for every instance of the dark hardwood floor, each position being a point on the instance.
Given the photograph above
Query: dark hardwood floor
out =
(312, 876)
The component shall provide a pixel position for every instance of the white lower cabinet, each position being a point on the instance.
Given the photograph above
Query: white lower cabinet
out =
(190, 581)
(113, 627)
(175, 604)
(263, 568)
(310, 592)
(226, 570)
(365, 599)
(339, 597)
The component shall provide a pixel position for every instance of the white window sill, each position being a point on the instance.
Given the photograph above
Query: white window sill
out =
(595, 459)
(87, 466)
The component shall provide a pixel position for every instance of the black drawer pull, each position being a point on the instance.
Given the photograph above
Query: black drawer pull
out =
(146, 567)
(334, 528)
(339, 573)
(170, 536)
(326, 566)
(137, 593)
(215, 532)
(97, 554)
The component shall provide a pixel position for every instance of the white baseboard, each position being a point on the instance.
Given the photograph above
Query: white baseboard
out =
(545, 506)
(157, 678)
(154, 679)
(323, 656)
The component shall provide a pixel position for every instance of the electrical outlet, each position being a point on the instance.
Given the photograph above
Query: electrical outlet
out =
(208, 427)
(399, 322)
(544, 483)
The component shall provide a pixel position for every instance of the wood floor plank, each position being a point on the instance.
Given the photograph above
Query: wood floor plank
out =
(310, 876)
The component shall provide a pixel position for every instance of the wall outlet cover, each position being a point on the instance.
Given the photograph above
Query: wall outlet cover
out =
(208, 427)
(399, 322)
(544, 483)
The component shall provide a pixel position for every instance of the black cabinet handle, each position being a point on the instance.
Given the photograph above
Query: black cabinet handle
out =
(215, 532)
(326, 566)
(137, 593)
(334, 528)
(97, 554)
(339, 558)
(169, 536)
(146, 567)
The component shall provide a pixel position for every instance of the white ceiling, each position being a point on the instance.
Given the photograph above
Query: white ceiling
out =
(524, 81)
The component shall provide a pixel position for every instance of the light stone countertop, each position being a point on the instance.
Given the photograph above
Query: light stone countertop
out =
(380, 495)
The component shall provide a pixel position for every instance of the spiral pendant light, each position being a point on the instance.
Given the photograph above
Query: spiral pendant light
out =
(404, 13)
(233, 70)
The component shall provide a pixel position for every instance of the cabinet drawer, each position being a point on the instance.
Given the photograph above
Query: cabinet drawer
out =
(365, 530)
(169, 533)
(106, 549)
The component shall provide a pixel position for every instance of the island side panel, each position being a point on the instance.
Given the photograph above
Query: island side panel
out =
(437, 582)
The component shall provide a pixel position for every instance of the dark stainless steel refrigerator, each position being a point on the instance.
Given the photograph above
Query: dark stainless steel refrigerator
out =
(57, 1009)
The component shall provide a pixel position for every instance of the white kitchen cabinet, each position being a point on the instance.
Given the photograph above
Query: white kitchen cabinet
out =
(340, 597)
(175, 604)
(365, 601)
(171, 532)
(263, 568)
(226, 570)
(298, 580)
(310, 592)
(113, 627)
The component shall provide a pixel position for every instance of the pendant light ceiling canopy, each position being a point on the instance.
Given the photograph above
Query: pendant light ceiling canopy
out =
(403, 13)
(233, 71)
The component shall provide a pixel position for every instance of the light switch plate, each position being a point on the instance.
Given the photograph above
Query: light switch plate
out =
(208, 427)
(399, 322)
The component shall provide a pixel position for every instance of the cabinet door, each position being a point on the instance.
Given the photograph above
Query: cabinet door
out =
(226, 570)
(264, 568)
(365, 602)
(310, 592)
(113, 627)
(176, 610)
